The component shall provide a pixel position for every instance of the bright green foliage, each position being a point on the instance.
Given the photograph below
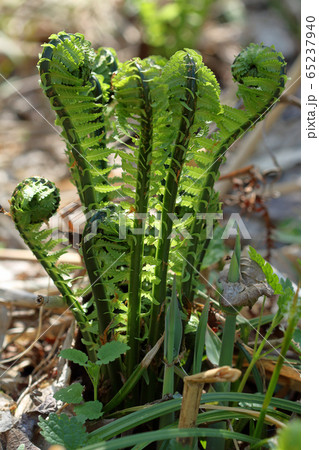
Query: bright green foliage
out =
(105, 354)
(63, 430)
(283, 287)
(193, 100)
(286, 296)
(92, 368)
(150, 121)
(271, 277)
(88, 411)
(33, 202)
(70, 394)
(260, 74)
(110, 351)
(77, 82)
(74, 355)
(290, 438)
(107, 260)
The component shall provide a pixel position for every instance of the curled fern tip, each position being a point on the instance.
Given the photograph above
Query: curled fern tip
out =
(34, 200)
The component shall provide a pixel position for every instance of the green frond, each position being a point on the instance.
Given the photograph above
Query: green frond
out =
(106, 258)
(77, 82)
(33, 202)
(151, 119)
(105, 64)
(193, 96)
(260, 74)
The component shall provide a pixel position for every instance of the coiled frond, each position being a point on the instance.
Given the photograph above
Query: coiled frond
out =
(260, 74)
(76, 81)
(152, 120)
(33, 202)
(189, 88)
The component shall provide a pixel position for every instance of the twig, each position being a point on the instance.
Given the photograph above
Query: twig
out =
(53, 349)
(30, 387)
(292, 100)
(27, 299)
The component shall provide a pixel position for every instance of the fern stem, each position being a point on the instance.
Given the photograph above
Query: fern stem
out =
(94, 231)
(194, 254)
(96, 278)
(63, 288)
(170, 193)
(82, 173)
(141, 203)
(196, 250)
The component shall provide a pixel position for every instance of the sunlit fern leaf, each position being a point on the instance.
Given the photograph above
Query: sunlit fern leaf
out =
(105, 64)
(78, 94)
(260, 74)
(106, 255)
(33, 202)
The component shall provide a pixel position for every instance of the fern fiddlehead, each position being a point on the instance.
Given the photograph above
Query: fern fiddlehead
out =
(106, 256)
(260, 74)
(133, 87)
(189, 96)
(33, 202)
(171, 188)
(77, 82)
(162, 116)
(77, 94)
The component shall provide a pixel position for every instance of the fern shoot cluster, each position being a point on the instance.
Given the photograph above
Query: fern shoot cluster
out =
(152, 120)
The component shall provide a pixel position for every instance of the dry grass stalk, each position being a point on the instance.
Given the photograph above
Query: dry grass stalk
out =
(193, 387)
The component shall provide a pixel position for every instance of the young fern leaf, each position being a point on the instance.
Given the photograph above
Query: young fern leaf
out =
(169, 163)
(199, 156)
(105, 65)
(182, 75)
(134, 86)
(106, 256)
(73, 80)
(260, 74)
(33, 202)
